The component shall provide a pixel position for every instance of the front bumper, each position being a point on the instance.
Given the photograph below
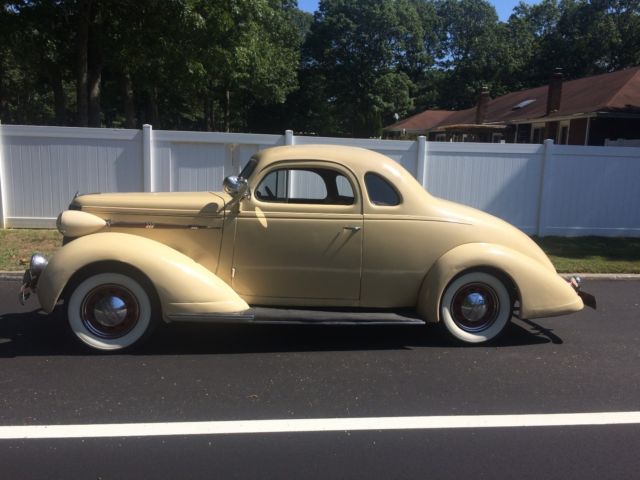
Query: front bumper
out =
(31, 276)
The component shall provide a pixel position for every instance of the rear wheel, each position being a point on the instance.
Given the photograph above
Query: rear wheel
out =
(475, 307)
(110, 311)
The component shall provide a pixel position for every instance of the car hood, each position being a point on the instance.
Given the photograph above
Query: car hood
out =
(171, 203)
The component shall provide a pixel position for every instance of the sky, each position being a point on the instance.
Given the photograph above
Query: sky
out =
(503, 7)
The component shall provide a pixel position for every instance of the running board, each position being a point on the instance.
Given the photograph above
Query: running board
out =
(268, 315)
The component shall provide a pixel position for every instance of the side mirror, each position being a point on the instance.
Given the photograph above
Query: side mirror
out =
(237, 187)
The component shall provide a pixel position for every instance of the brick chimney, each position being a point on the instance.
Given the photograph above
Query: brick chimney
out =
(554, 95)
(483, 105)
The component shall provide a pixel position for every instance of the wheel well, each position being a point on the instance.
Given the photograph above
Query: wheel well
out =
(113, 267)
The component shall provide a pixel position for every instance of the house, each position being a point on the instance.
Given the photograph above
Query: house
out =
(597, 110)
(420, 123)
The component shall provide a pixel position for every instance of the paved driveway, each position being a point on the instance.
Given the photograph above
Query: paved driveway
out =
(587, 362)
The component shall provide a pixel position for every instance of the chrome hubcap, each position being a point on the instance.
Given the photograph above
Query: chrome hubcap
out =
(110, 311)
(475, 307)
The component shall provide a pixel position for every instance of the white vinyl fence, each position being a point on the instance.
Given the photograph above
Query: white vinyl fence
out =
(542, 189)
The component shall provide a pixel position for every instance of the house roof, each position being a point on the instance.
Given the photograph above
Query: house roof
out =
(422, 121)
(609, 92)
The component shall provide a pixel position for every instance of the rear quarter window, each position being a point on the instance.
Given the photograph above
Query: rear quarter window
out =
(380, 191)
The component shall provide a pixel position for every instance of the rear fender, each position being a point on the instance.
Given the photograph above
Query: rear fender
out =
(542, 292)
(182, 285)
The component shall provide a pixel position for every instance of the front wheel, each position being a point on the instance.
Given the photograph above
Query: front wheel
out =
(110, 311)
(475, 307)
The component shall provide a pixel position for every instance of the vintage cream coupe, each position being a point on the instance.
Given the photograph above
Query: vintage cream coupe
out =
(305, 234)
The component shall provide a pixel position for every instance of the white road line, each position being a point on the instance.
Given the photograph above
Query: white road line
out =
(315, 425)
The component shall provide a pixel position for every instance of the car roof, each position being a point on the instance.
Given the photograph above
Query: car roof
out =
(357, 158)
(360, 161)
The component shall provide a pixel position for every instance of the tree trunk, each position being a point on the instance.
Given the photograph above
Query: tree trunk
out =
(95, 78)
(152, 107)
(2, 96)
(206, 114)
(227, 111)
(95, 67)
(129, 107)
(59, 98)
(209, 113)
(212, 114)
(82, 50)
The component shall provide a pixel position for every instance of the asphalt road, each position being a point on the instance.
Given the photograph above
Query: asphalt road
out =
(587, 362)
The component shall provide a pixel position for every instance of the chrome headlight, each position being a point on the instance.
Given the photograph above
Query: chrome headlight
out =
(37, 264)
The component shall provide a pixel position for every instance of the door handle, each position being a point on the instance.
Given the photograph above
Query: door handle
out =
(351, 228)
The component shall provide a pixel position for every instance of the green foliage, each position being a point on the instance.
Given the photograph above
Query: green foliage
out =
(264, 65)
(366, 52)
(472, 53)
(172, 63)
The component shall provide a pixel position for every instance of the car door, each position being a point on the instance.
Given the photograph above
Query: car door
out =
(299, 237)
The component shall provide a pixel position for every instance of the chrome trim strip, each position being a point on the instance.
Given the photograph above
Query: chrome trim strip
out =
(151, 225)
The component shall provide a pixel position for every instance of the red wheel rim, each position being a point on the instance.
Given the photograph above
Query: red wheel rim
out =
(475, 307)
(110, 311)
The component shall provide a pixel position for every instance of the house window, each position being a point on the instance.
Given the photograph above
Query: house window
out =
(537, 133)
(524, 133)
(563, 137)
(564, 134)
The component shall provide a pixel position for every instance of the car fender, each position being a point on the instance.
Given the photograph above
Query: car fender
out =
(183, 286)
(541, 291)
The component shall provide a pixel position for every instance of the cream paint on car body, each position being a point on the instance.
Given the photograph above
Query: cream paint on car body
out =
(183, 286)
(359, 255)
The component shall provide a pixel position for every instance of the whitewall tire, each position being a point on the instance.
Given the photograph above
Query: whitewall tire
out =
(110, 311)
(475, 307)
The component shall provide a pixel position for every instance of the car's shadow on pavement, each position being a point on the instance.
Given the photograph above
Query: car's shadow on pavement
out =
(35, 333)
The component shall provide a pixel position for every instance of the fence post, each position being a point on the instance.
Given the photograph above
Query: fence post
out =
(2, 190)
(547, 154)
(288, 137)
(422, 161)
(147, 157)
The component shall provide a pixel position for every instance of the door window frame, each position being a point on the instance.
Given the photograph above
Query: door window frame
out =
(299, 207)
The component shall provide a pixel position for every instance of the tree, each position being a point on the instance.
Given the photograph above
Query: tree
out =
(34, 37)
(367, 52)
(473, 54)
(249, 52)
(580, 36)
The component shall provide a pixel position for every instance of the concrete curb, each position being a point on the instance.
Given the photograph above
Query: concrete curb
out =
(603, 276)
(584, 276)
(11, 275)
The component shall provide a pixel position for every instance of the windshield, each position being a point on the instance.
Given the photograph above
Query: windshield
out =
(249, 168)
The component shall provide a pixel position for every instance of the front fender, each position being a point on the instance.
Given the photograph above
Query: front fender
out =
(182, 285)
(541, 290)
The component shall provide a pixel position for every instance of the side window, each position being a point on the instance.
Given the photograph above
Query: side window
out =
(344, 187)
(380, 191)
(273, 187)
(311, 186)
(306, 185)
